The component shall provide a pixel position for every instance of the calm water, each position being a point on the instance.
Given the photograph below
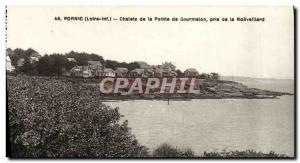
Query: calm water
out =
(213, 124)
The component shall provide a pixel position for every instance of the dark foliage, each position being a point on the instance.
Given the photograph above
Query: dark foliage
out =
(54, 118)
(19, 53)
(83, 58)
(50, 65)
(166, 150)
(179, 73)
(243, 154)
(53, 64)
(114, 64)
(28, 67)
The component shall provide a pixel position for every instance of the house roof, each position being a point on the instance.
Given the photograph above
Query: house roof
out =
(108, 70)
(173, 72)
(138, 70)
(71, 59)
(122, 69)
(81, 68)
(193, 70)
(95, 63)
(76, 68)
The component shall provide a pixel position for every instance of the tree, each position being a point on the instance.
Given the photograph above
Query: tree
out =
(179, 73)
(49, 65)
(215, 76)
(166, 150)
(28, 67)
(95, 57)
(111, 64)
(133, 65)
(204, 76)
(114, 64)
(81, 58)
(19, 53)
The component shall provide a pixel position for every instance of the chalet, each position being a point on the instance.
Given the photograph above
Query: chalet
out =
(148, 73)
(95, 64)
(138, 72)
(81, 71)
(107, 72)
(121, 72)
(160, 72)
(96, 67)
(87, 72)
(76, 71)
(191, 72)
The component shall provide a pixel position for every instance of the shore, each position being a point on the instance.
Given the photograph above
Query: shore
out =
(209, 89)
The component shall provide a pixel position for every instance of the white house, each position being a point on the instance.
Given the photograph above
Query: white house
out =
(9, 66)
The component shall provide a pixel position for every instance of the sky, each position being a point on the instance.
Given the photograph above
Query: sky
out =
(251, 49)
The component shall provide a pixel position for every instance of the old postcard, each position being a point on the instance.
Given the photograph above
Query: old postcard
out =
(150, 82)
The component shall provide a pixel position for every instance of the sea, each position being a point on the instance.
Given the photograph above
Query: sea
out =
(216, 124)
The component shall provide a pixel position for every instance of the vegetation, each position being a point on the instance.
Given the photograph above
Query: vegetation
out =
(241, 154)
(54, 64)
(179, 73)
(50, 65)
(54, 118)
(18, 53)
(169, 151)
(83, 58)
(166, 150)
(114, 64)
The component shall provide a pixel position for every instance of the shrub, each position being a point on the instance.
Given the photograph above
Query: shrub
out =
(166, 150)
(54, 118)
(242, 154)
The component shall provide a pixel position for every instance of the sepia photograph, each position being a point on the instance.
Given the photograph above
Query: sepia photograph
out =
(150, 82)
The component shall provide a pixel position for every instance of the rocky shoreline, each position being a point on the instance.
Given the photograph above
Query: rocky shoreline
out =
(209, 89)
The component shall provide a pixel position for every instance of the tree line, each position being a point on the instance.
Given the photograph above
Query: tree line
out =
(54, 64)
